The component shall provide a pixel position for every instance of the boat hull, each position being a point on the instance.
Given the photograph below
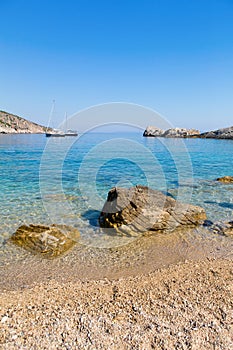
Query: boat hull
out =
(72, 134)
(54, 135)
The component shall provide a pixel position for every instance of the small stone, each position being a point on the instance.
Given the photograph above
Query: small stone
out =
(4, 319)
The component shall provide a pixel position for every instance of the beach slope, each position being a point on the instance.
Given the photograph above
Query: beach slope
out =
(185, 306)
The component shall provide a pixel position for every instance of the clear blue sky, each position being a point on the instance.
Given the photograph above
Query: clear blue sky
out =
(170, 55)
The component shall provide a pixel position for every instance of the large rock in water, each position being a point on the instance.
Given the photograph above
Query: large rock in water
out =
(225, 133)
(141, 209)
(50, 241)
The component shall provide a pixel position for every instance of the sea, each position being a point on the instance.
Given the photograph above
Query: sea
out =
(65, 180)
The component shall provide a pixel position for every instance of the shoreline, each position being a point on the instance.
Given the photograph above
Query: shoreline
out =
(146, 136)
(144, 254)
(186, 305)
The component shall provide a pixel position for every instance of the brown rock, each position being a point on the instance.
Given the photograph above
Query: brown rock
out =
(225, 179)
(141, 209)
(50, 241)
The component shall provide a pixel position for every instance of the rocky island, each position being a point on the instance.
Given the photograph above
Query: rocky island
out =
(173, 132)
(224, 133)
(13, 124)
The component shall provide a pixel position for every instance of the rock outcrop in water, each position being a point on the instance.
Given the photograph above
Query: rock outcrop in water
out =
(13, 124)
(225, 179)
(49, 241)
(225, 133)
(152, 131)
(181, 132)
(141, 209)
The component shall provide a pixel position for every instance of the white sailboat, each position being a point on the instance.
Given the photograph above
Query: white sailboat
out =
(70, 132)
(53, 132)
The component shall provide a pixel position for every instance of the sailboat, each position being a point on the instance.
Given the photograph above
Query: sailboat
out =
(53, 132)
(70, 132)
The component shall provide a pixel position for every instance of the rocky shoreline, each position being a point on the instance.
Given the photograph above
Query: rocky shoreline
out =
(224, 133)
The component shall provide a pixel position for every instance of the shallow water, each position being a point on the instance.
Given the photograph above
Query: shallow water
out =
(67, 180)
(143, 255)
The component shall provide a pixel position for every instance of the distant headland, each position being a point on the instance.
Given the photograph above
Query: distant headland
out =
(13, 124)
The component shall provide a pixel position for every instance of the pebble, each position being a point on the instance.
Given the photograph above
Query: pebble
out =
(4, 319)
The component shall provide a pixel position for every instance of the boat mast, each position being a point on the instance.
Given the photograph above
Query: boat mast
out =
(51, 114)
(66, 121)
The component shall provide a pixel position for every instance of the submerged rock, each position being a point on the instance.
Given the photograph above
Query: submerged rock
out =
(175, 132)
(141, 209)
(225, 179)
(225, 133)
(50, 241)
(219, 227)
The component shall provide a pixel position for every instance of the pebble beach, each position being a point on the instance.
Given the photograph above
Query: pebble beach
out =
(188, 305)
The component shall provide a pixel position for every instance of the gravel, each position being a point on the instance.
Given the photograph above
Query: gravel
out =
(185, 306)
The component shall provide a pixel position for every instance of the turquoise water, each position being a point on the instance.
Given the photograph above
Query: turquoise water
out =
(66, 180)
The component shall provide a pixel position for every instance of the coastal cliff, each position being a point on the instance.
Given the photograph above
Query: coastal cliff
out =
(13, 124)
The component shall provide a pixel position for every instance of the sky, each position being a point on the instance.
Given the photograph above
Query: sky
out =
(172, 56)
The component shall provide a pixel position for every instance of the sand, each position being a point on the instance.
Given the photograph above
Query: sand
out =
(188, 305)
